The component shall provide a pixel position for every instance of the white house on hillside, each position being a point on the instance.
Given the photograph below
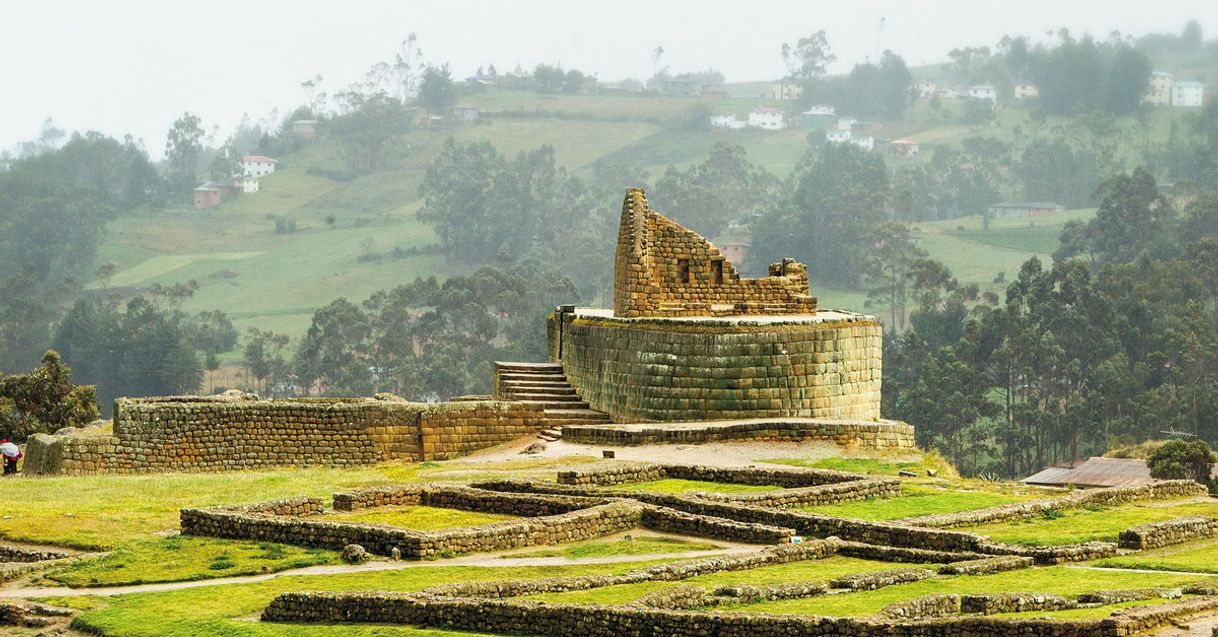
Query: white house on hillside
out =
(257, 166)
(1188, 94)
(983, 92)
(837, 135)
(1159, 89)
(727, 121)
(766, 117)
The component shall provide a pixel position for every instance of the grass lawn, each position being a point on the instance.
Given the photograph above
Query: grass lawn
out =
(105, 511)
(673, 485)
(639, 545)
(1199, 557)
(181, 558)
(419, 518)
(887, 466)
(919, 499)
(225, 611)
(1060, 580)
(1085, 525)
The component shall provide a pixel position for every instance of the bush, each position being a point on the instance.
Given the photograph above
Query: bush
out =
(44, 400)
(1179, 460)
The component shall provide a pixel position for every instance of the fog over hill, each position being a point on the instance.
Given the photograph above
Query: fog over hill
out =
(132, 67)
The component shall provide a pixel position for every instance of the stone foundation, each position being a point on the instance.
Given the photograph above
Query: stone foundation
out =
(881, 434)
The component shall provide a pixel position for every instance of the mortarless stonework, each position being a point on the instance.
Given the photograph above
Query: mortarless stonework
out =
(826, 365)
(226, 433)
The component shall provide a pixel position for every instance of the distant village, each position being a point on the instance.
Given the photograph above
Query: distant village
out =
(823, 120)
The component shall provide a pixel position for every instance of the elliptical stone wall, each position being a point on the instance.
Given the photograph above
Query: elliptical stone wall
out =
(674, 370)
(189, 433)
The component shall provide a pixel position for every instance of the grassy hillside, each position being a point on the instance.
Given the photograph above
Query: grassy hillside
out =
(276, 280)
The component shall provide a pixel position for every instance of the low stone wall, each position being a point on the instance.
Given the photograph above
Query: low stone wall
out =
(938, 605)
(586, 620)
(1164, 490)
(460, 497)
(799, 487)
(673, 571)
(1054, 554)
(994, 603)
(1157, 534)
(1103, 598)
(986, 566)
(880, 579)
(296, 521)
(744, 593)
(238, 431)
(903, 554)
(866, 434)
(673, 521)
(10, 553)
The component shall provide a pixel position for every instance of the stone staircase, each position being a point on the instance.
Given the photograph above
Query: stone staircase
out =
(546, 385)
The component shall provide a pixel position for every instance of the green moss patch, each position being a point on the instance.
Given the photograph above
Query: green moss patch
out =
(1086, 525)
(917, 499)
(1197, 557)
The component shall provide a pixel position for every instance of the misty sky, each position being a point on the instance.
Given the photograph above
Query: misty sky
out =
(132, 67)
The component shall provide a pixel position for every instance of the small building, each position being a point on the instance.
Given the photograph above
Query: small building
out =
(787, 89)
(1188, 93)
(767, 118)
(927, 89)
(904, 148)
(735, 250)
(210, 193)
(983, 92)
(818, 116)
(680, 86)
(727, 122)
(305, 128)
(1097, 472)
(866, 142)
(249, 185)
(1026, 91)
(465, 113)
(1008, 209)
(837, 135)
(713, 93)
(1159, 89)
(846, 123)
(257, 166)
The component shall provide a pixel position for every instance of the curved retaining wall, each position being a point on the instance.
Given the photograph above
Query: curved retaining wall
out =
(664, 370)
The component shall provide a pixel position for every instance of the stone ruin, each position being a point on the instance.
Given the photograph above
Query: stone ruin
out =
(664, 269)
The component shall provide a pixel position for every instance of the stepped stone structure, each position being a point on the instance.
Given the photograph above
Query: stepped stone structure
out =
(688, 339)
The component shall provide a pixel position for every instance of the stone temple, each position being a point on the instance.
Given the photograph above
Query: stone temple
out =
(690, 346)
(689, 339)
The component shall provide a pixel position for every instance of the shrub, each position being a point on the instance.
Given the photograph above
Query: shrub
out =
(1179, 460)
(44, 400)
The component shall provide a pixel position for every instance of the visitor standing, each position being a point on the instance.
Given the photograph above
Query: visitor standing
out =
(12, 453)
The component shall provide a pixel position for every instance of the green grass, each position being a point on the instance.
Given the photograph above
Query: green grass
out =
(1198, 557)
(674, 485)
(181, 558)
(917, 499)
(1059, 580)
(1085, 525)
(419, 518)
(886, 466)
(225, 611)
(104, 511)
(639, 545)
(1084, 613)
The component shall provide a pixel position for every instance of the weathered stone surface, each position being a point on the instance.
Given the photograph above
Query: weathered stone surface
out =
(1157, 534)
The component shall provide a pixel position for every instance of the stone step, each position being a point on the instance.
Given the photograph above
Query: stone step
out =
(549, 378)
(530, 368)
(546, 396)
(537, 388)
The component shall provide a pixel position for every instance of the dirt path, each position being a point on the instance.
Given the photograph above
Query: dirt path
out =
(724, 454)
(481, 559)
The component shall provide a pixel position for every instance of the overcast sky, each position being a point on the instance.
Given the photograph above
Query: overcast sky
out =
(133, 67)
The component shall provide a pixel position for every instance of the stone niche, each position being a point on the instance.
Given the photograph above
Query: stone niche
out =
(826, 365)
